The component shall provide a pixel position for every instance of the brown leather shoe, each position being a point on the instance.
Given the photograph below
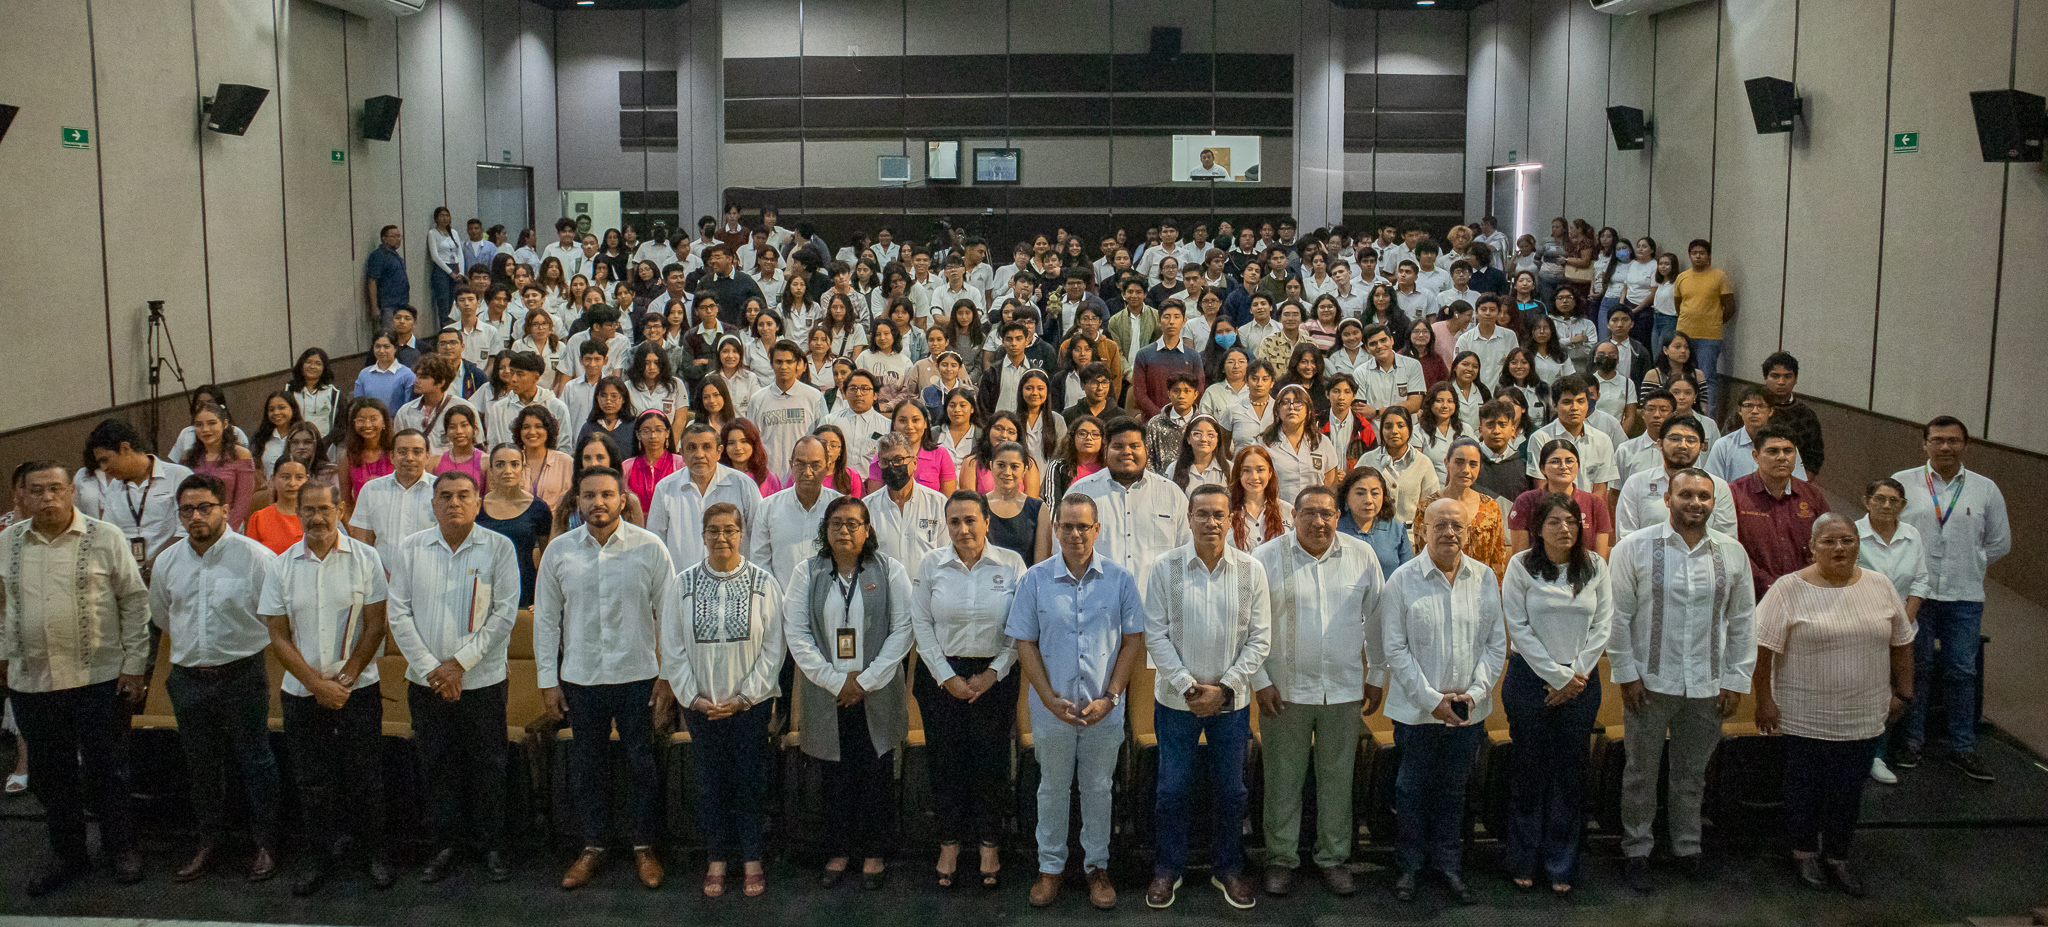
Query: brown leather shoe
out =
(1046, 890)
(202, 859)
(1279, 880)
(1338, 880)
(1101, 894)
(586, 866)
(263, 866)
(1237, 889)
(1160, 894)
(649, 865)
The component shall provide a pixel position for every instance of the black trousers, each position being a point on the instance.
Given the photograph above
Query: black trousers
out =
(338, 766)
(969, 744)
(75, 751)
(731, 780)
(859, 789)
(1824, 792)
(224, 722)
(462, 763)
(592, 712)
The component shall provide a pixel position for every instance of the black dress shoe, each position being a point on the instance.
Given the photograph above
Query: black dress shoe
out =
(314, 875)
(494, 866)
(439, 867)
(381, 873)
(1404, 887)
(1846, 878)
(1459, 890)
(202, 859)
(55, 874)
(128, 867)
(1810, 874)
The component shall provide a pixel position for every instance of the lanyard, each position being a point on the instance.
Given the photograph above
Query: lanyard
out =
(1955, 490)
(135, 509)
(846, 590)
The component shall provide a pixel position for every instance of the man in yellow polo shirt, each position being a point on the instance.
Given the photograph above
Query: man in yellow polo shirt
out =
(1706, 303)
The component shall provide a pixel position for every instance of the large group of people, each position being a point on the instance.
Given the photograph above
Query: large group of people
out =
(748, 484)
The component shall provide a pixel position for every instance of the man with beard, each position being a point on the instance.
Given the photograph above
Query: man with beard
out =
(1642, 499)
(1142, 514)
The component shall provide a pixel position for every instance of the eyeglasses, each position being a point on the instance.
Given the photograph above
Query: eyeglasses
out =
(859, 388)
(898, 461)
(724, 531)
(203, 508)
(846, 525)
(1072, 528)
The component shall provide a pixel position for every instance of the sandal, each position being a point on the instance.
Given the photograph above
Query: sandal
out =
(17, 783)
(991, 879)
(946, 877)
(714, 885)
(756, 884)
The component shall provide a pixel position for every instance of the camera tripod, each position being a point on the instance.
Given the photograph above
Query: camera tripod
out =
(163, 353)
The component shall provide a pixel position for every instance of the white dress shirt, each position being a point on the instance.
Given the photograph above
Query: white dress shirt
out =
(458, 603)
(393, 511)
(1140, 522)
(207, 602)
(1903, 559)
(1641, 504)
(721, 634)
(595, 605)
(783, 533)
(783, 417)
(1975, 535)
(1326, 642)
(676, 513)
(1557, 631)
(1684, 618)
(1441, 634)
(905, 532)
(1596, 453)
(960, 611)
(73, 609)
(1636, 455)
(322, 600)
(863, 431)
(1492, 349)
(146, 510)
(1207, 627)
(818, 659)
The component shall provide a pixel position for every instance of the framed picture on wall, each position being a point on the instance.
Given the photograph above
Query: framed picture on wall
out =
(998, 165)
(942, 162)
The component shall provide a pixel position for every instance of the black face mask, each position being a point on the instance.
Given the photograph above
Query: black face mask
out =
(897, 476)
(1606, 364)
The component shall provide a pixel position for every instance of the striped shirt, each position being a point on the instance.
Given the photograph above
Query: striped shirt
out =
(1832, 673)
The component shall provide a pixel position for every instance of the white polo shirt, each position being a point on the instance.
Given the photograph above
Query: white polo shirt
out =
(1596, 453)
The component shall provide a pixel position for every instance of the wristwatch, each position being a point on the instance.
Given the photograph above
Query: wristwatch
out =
(347, 681)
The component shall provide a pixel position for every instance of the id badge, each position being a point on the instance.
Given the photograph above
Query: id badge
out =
(137, 547)
(846, 640)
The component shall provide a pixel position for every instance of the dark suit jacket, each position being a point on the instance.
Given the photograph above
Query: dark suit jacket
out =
(992, 383)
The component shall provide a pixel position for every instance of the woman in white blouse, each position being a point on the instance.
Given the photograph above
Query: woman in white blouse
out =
(444, 255)
(1558, 608)
(1834, 654)
(1892, 548)
(722, 645)
(652, 384)
(1204, 454)
(966, 682)
(312, 387)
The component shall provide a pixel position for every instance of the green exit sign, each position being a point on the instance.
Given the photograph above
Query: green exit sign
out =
(337, 156)
(1905, 142)
(77, 138)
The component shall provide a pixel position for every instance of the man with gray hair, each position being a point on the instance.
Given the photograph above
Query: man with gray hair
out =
(785, 530)
(909, 517)
(1682, 648)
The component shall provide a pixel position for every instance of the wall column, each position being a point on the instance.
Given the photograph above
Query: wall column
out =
(1319, 116)
(700, 105)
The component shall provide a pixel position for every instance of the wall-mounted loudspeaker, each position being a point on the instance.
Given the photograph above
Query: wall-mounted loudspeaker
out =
(233, 107)
(380, 117)
(7, 118)
(1772, 104)
(2010, 124)
(1631, 131)
(1165, 41)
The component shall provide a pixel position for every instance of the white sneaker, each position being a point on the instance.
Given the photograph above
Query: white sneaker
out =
(1882, 773)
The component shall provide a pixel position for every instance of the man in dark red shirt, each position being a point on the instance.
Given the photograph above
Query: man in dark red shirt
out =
(1774, 511)
(1158, 363)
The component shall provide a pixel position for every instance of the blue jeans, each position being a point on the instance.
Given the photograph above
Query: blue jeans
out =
(1955, 625)
(1230, 734)
(1069, 759)
(1547, 801)
(1429, 794)
(1706, 355)
(441, 288)
(1662, 327)
(1600, 315)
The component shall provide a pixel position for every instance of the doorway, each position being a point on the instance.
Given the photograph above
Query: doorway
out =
(1511, 198)
(504, 196)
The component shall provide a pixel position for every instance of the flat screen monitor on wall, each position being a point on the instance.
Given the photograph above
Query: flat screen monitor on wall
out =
(892, 168)
(942, 162)
(1216, 158)
(997, 165)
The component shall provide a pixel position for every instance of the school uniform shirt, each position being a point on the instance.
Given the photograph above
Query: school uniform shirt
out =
(1441, 634)
(960, 611)
(1557, 630)
(207, 602)
(394, 511)
(429, 422)
(595, 605)
(721, 634)
(1596, 453)
(482, 342)
(1641, 504)
(905, 532)
(322, 599)
(455, 603)
(666, 396)
(1325, 645)
(73, 609)
(505, 409)
(1248, 421)
(676, 513)
(783, 417)
(1420, 304)
(1140, 522)
(864, 431)
(1207, 627)
(1385, 385)
(1616, 394)
(618, 354)
(1308, 464)
(1254, 333)
(1684, 617)
(146, 510)
(1636, 455)
(1492, 349)
(1413, 477)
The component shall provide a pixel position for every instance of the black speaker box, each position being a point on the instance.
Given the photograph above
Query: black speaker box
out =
(1772, 104)
(234, 107)
(380, 117)
(1631, 132)
(2010, 124)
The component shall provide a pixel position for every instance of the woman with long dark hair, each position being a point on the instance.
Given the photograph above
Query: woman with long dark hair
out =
(741, 449)
(1003, 427)
(1204, 454)
(368, 445)
(280, 413)
(1080, 454)
(1518, 375)
(838, 476)
(312, 388)
(217, 452)
(1042, 427)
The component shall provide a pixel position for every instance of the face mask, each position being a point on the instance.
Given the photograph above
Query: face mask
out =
(1225, 339)
(1605, 363)
(1621, 254)
(897, 476)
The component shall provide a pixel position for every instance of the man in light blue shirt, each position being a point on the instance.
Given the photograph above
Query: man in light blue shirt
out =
(1080, 629)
